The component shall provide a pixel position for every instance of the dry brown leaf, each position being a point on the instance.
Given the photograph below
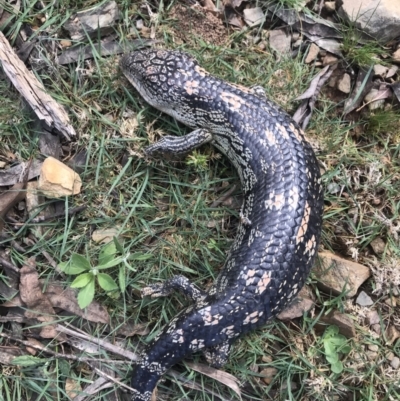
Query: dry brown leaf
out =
(309, 97)
(38, 306)
(99, 384)
(66, 299)
(12, 303)
(129, 329)
(72, 388)
(8, 354)
(223, 377)
(34, 342)
(5, 17)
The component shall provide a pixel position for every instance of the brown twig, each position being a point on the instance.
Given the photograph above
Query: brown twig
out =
(70, 212)
(9, 265)
(224, 197)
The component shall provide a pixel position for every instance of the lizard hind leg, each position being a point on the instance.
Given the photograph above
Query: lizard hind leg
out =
(180, 283)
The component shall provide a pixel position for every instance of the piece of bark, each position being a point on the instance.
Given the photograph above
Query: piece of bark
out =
(11, 197)
(13, 174)
(104, 48)
(45, 107)
(100, 18)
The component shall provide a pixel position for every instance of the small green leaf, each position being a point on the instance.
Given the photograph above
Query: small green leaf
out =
(140, 256)
(86, 295)
(122, 279)
(82, 280)
(332, 358)
(68, 268)
(329, 348)
(107, 253)
(28, 360)
(80, 261)
(345, 349)
(106, 282)
(118, 246)
(338, 340)
(111, 263)
(337, 367)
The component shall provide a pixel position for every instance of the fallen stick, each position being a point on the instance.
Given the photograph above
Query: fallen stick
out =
(45, 107)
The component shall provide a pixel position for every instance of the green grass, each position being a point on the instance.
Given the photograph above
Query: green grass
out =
(164, 209)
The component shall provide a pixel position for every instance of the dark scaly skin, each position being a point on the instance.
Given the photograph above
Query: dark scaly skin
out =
(281, 215)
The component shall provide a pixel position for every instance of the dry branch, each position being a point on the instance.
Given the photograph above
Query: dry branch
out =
(46, 109)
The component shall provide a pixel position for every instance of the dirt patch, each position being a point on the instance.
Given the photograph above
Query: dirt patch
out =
(193, 22)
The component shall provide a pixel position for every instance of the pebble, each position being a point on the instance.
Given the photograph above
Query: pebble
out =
(395, 363)
(364, 299)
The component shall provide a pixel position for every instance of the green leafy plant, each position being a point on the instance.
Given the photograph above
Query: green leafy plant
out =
(89, 274)
(335, 344)
(198, 160)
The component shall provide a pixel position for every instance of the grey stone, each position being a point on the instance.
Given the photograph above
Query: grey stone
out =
(364, 299)
(378, 18)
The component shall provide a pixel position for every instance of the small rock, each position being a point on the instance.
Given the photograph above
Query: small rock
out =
(312, 53)
(65, 43)
(344, 84)
(301, 304)
(262, 45)
(297, 44)
(390, 301)
(2, 164)
(392, 71)
(395, 362)
(329, 59)
(364, 299)
(396, 56)
(105, 235)
(333, 81)
(333, 188)
(57, 180)
(392, 334)
(335, 274)
(268, 374)
(380, 70)
(330, 6)
(371, 355)
(253, 16)
(295, 36)
(380, 19)
(389, 355)
(373, 317)
(344, 322)
(373, 347)
(279, 40)
(373, 100)
(267, 358)
(253, 368)
(377, 328)
(378, 246)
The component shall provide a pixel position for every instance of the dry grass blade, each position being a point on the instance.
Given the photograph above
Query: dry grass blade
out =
(223, 377)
